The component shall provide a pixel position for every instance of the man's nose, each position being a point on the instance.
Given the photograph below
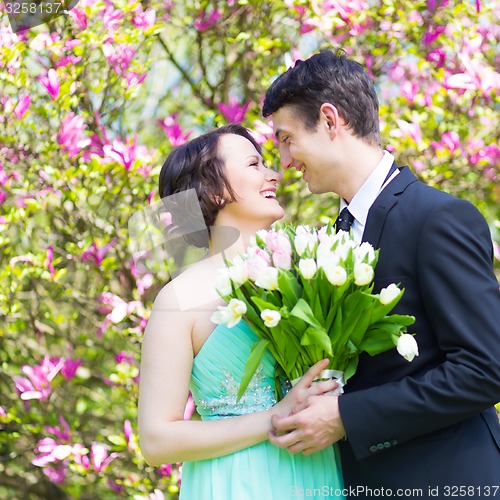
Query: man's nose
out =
(286, 160)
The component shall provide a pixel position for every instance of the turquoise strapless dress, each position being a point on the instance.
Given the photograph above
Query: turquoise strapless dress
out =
(263, 471)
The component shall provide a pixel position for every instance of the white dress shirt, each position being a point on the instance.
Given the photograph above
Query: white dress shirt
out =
(367, 194)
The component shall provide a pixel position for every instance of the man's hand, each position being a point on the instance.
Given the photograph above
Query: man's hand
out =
(315, 425)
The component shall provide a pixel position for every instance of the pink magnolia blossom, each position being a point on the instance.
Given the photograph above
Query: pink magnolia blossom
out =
(450, 141)
(233, 112)
(112, 18)
(36, 384)
(3, 195)
(203, 22)
(189, 409)
(51, 82)
(125, 357)
(22, 106)
(173, 130)
(48, 260)
(409, 89)
(432, 34)
(99, 458)
(64, 433)
(79, 17)
(411, 129)
(49, 451)
(125, 153)
(143, 279)
(144, 19)
(164, 470)
(2, 412)
(496, 249)
(57, 475)
(70, 135)
(95, 255)
(119, 56)
(68, 371)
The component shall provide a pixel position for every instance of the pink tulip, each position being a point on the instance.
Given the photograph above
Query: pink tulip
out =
(233, 112)
(51, 82)
(282, 260)
(277, 241)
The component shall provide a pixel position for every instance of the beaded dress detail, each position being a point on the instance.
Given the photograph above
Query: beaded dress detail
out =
(263, 471)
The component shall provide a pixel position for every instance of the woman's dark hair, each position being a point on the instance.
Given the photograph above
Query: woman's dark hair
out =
(197, 165)
(329, 76)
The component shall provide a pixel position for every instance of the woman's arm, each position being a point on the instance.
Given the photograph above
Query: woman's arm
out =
(167, 360)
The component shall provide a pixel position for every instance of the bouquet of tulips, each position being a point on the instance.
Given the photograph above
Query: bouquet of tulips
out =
(307, 294)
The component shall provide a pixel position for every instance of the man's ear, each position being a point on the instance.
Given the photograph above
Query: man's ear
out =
(330, 119)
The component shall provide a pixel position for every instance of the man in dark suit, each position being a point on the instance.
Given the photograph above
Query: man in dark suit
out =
(427, 428)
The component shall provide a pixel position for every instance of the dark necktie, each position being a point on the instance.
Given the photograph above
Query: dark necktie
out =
(344, 221)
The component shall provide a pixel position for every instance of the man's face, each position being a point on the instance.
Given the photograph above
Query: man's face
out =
(303, 149)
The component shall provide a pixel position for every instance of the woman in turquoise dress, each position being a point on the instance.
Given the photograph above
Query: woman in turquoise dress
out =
(226, 455)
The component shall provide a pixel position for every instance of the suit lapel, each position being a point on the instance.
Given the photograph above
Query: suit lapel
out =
(383, 204)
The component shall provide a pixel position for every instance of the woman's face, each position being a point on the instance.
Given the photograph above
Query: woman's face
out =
(253, 184)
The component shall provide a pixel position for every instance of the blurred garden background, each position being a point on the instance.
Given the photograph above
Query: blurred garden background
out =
(90, 106)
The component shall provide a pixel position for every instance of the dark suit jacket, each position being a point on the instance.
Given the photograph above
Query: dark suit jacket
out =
(429, 422)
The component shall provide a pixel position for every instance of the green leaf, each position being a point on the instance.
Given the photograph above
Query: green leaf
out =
(303, 311)
(290, 288)
(251, 365)
(319, 337)
(376, 345)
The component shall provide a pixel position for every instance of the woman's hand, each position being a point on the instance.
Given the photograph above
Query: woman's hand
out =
(303, 389)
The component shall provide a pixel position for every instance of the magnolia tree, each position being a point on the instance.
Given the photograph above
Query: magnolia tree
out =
(91, 104)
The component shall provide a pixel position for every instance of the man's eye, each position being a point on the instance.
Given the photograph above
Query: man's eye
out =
(285, 139)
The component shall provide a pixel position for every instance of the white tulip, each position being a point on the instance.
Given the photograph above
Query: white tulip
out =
(223, 282)
(301, 241)
(335, 274)
(407, 346)
(268, 279)
(231, 314)
(307, 268)
(271, 318)
(364, 253)
(238, 273)
(387, 295)
(363, 274)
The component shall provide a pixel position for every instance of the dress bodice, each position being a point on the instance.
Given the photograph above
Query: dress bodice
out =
(218, 369)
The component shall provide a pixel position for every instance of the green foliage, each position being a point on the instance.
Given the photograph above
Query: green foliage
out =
(81, 149)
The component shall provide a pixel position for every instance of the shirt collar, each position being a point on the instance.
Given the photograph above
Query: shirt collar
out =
(367, 194)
